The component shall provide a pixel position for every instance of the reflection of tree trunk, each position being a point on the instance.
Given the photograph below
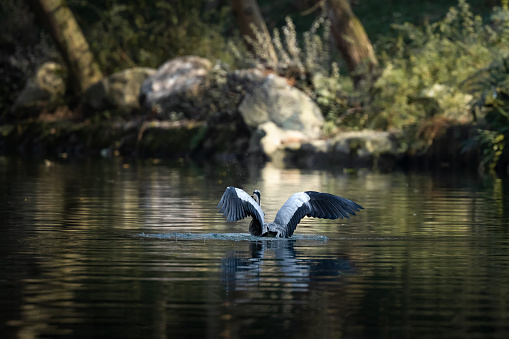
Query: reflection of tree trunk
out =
(351, 40)
(250, 22)
(67, 35)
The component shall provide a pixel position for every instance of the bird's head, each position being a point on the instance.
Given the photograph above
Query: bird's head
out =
(256, 196)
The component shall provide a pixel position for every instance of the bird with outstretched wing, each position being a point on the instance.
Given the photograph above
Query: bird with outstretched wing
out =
(236, 204)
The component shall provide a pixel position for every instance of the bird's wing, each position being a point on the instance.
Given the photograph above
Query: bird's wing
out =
(235, 204)
(312, 204)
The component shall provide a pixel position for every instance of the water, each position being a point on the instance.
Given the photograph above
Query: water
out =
(126, 249)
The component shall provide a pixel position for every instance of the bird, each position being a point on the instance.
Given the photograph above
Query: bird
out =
(236, 204)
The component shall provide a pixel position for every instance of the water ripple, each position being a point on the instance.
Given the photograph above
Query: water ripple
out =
(227, 236)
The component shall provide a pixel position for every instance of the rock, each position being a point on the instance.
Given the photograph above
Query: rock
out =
(118, 91)
(176, 86)
(286, 106)
(367, 148)
(362, 144)
(269, 138)
(245, 80)
(276, 112)
(44, 91)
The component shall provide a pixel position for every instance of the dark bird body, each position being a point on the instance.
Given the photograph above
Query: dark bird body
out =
(236, 204)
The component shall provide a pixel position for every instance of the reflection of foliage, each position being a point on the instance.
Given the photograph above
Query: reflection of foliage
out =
(127, 33)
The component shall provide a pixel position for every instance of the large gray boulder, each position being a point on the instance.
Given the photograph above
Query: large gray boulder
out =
(276, 112)
(44, 91)
(176, 86)
(118, 91)
(287, 107)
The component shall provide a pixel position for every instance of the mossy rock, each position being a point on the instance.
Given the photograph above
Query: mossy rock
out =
(44, 91)
(116, 94)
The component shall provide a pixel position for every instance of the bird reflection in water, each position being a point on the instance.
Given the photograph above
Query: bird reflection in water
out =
(279, 260)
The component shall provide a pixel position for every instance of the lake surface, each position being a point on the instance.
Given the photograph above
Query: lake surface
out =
(136, 249)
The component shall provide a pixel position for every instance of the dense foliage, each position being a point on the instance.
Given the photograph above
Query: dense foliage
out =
(454, 68)
(426, 66)
(22, 48)
(492, 87)
(147, 33)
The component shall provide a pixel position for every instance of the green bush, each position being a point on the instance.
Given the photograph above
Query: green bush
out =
(124, 34)
(442, 55)
(491, 86)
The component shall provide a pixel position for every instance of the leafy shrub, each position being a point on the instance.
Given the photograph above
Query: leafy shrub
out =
(445, 53)
(124, 34)
(491, 86)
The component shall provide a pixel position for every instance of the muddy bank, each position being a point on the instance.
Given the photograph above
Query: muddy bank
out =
(200, 141)
(148, 139)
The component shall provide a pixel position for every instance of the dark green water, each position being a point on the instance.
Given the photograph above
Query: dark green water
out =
(112, 249)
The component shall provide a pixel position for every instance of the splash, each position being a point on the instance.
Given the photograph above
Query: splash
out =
(227, 236)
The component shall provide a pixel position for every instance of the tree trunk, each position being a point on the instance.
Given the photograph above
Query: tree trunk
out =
(351, 40)
(69, 39)
(251, 22)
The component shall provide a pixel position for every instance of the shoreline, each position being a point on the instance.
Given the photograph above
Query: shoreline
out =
(198, 141)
